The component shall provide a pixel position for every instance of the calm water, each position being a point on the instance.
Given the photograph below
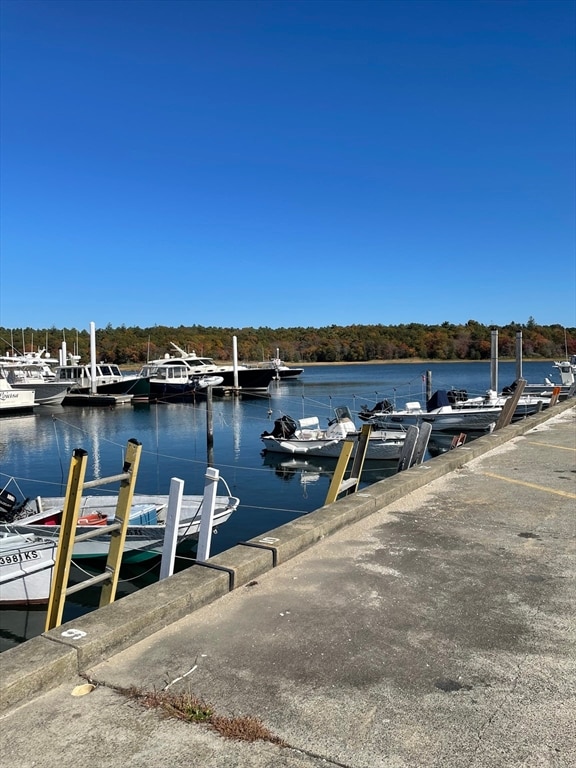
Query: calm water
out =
(35, 451)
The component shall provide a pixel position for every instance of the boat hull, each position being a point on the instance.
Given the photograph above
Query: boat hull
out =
(289, 373)
(13, 402)
(137, 386)
(249, 380)
(26, 566)
(463, 419)
(45, 393)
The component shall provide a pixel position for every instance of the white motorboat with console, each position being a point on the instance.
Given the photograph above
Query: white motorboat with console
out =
(451, 411)
(305, 437)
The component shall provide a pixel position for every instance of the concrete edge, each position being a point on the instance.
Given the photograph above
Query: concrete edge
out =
(38, 666)
(61, 654)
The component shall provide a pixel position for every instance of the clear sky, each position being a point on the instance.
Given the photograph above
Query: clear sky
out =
(287, 163)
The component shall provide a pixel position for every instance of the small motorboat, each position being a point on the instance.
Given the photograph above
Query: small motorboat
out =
(146, 526)
(26, 565)
(305, 437)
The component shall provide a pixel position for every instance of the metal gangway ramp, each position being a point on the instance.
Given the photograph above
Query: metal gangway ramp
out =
(59, 589)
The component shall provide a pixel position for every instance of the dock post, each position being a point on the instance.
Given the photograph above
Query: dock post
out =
(428, 385)
(235, 360)
(494, 360)
(207, 519)
(171, 532)
(518, 355)
(209, 427)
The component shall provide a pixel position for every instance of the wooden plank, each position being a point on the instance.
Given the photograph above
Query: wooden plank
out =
(123, 507)
(68, 523)
(510, 406)
(405, 460)
(339, 472)
(361, 450)
(421, 443)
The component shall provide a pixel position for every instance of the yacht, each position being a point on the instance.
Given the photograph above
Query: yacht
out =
(178, 376)
(108, 380)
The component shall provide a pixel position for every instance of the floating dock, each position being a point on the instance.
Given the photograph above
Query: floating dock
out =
(100, 401)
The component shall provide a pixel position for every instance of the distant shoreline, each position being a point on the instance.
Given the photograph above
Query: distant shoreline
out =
(404, 361)
(419, 360)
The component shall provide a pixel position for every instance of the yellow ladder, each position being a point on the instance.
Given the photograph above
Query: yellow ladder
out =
(338, 485)
(59, 589)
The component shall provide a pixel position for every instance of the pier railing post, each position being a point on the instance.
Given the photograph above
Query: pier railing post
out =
(172, 523)
(207, 519)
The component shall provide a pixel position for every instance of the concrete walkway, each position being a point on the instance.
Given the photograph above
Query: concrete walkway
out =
(433, 626)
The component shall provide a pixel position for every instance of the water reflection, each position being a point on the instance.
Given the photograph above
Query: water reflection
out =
(314, 468)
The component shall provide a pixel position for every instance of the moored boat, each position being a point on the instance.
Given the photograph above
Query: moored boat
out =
(13, 401)
(282, 371)
(304, 437)
(451, 411)
(108, 379)
(26, 565)
(174, 377)
(26, 377)
(146, 527)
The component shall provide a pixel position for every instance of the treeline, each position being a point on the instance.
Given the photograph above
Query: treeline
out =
(333, 343)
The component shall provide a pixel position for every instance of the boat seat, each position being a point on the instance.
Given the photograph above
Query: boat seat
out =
(413, 406)
(309, 423)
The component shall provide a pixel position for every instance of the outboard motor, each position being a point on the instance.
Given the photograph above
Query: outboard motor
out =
(284, 428)
(9, 507)
(457, 396)
(384, 406)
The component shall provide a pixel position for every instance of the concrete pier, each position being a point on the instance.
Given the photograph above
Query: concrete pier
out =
(425, 621)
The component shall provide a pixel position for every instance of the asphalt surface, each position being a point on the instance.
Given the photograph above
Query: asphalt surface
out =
(437, 630)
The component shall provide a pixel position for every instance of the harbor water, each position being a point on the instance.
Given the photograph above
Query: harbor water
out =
(35, 452)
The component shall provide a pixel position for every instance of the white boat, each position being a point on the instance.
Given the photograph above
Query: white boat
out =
(304, 437)
(146, 528)
(451, 411)
(566, 388)
(174, 377)
(281, 370)
(13, 401)
(26, 565)
(22, 377)
(40, 360)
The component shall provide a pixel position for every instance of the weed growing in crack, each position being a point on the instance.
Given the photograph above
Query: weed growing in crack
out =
(186, 706)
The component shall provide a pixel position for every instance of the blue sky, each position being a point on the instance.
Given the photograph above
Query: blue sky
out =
(287, 164)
